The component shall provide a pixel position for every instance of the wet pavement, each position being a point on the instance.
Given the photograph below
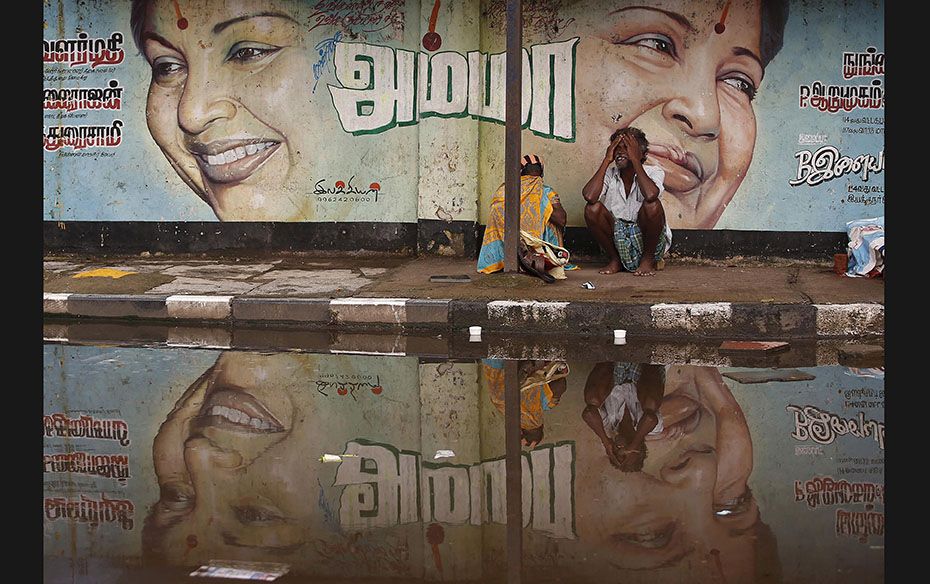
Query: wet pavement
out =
(386, 460)
(734, 298)
(289, 275)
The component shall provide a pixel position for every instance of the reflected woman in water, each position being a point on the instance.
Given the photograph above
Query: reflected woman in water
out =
(542, 384)
(219, 457)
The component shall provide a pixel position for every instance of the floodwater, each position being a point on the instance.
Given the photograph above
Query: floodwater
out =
(353, 467)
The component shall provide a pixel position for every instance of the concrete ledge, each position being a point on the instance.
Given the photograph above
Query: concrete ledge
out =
(427, 311)
(724, 320)
(308, 310)
(369, 310)
(691, 318)
(55, 303)
(604, 318)
(774, 320)
(466, 313)
(850, 320)
(195, 307)
(516, 314)
(117, 305)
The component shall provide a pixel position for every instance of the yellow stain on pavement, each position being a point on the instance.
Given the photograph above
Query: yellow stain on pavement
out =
(104, 273)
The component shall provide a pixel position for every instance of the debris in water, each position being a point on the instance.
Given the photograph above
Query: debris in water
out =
(336, 457)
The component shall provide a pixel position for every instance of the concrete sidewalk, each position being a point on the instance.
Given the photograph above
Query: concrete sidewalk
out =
(706, 299)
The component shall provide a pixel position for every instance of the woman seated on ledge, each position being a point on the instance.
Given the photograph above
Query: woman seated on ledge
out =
(541, 216)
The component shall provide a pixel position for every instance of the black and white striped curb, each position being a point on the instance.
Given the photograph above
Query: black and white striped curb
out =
(709, 319)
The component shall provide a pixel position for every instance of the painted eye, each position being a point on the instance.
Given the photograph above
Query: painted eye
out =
(743, 85)
(250, 514)
(654, 41)
(164, 69)
(250, 53)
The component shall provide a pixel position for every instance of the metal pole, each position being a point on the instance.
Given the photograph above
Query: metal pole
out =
(514, 470)
(514, 104)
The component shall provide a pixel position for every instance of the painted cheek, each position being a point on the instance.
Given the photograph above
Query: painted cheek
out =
(737, 136)
(161, 117)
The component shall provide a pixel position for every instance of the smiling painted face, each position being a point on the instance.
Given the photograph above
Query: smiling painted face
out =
(229, 101)
(238, 459)
(230, 478)
(666, 70)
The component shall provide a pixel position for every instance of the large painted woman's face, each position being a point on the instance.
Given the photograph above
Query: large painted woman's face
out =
(229, 102)
(662, 66)
(234, 461)
(238, 457)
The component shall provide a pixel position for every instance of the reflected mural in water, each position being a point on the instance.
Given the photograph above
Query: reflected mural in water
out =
(640, 472)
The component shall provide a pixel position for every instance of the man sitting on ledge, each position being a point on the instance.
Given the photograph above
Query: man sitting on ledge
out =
(623, 210)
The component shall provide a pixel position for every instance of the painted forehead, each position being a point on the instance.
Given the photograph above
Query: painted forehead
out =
(181, 15)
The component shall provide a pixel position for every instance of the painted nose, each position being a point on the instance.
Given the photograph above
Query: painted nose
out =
(203, 103)
(697, 112)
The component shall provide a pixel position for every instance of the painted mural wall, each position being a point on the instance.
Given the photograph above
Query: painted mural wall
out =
(765, 115)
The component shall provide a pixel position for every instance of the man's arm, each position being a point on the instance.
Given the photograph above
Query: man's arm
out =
(595, 186)
(647, 424)
(646, 185)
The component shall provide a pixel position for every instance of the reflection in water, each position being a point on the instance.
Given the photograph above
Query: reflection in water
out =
(633, 472)
(689, 505)
(542, 384)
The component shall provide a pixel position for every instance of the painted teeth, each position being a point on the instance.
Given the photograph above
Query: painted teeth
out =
(240, 418)
(237, 153)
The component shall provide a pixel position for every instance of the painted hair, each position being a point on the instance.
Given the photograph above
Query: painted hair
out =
(774, 18)
(137, 20)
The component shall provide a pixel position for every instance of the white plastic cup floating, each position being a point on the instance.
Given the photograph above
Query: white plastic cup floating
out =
(619, 337)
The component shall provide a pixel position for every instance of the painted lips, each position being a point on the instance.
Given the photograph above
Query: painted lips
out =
(683, 170)
(238, 411)
(231, 161)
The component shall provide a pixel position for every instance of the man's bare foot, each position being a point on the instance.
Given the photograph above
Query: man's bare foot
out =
(647, 267)
(611, 268)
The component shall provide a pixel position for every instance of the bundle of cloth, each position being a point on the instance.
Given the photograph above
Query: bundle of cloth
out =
(866, 248)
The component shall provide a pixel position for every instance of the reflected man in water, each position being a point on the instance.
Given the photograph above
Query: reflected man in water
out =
(689, 511)
(622, 408)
